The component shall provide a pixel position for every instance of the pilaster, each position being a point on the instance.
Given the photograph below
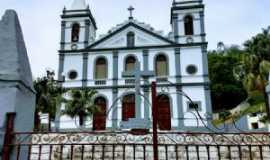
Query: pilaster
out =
(202, 22)
(146, 81)
(87, 32)
(179, 97)
(115, 91)
(180, 106)
(61, 66)
(205, 63)
(85, 70)
(63, 35)
(115, 109)
(208, 103)
(175, 27)
(177, 65)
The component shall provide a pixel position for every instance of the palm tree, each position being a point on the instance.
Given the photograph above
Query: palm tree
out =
(48, 98)
(253, 71)
(81, 104)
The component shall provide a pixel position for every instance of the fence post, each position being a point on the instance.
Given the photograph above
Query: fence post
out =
(154, 115)
(8, 135)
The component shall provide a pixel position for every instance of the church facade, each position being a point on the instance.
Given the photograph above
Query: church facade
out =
(178, 60)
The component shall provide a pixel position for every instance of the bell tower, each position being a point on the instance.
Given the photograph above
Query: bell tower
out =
(187, 20)
(78, 27)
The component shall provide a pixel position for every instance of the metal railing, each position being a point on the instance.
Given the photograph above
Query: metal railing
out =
(126, 146)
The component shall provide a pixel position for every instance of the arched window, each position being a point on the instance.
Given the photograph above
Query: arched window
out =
(130, 63)
(161, 65)
(99, 118)
(164, 112)
(130, 39)
(101, 68)
(128, 107)
(75, 32)
(188, 20)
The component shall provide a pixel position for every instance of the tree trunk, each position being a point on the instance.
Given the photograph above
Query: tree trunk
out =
(36, 121)
(81, 119)
(49, 122)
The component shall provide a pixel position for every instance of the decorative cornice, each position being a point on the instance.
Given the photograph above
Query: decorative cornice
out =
(135, 48)
(79, 15)
(147, 85)
(187, 7)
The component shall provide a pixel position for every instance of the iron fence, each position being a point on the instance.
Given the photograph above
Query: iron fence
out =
(127, 146)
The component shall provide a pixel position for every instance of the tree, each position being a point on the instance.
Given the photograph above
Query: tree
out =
(226, 91)
(81, 104)
(253, 70)
(48, 97)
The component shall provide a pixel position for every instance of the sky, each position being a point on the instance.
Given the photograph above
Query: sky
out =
(229, 21)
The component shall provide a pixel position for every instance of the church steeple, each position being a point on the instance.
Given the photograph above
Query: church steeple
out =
(187, 20)
(78, 26)
(78, 5)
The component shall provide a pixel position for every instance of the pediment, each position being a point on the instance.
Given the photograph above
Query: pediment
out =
(118, 38)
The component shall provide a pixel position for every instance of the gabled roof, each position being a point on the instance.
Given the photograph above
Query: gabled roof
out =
(140, 26)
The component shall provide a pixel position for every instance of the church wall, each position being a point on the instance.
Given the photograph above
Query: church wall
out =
(187, 56)
(197, 94)
(73, 62)
(191, 56)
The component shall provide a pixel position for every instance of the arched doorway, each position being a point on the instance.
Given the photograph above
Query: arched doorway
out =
(99, 118)
(128, 107)
(164, 112)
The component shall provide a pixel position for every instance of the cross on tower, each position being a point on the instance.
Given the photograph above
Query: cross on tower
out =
(131, 9)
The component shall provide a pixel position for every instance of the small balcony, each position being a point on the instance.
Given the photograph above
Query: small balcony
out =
(162, 79)
(100, 82)
(129, 81)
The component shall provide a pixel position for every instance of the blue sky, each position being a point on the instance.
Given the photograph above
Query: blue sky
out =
(230, 21)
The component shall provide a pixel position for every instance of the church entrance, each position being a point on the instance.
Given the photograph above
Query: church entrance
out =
(164, 112)
(128, 107)
(99, 118)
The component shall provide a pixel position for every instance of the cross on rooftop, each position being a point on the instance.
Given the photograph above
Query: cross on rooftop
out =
(131, 9)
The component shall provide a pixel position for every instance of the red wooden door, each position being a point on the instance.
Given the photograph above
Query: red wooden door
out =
(128, 107)
(164, 112)
(99, 118)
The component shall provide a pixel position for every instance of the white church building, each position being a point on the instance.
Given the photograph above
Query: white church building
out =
(178, 59)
